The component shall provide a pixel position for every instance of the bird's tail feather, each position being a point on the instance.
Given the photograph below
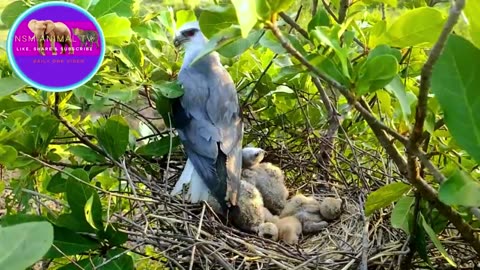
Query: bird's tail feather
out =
(197, 190)
(184, 179)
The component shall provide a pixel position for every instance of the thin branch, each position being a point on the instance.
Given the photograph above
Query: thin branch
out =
(342, 12)
(421, 111)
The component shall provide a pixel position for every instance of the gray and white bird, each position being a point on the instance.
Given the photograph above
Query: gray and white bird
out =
(208, 121)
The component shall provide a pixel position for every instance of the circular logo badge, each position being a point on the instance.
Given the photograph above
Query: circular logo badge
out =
(55, 46)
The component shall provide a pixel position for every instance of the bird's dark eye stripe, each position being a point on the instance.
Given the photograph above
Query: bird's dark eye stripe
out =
(189, 32)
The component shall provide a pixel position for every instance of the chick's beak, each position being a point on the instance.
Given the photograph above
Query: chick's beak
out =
(178, 41)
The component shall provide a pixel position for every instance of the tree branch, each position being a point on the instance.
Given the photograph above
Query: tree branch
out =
(379, 129)
(421, 111)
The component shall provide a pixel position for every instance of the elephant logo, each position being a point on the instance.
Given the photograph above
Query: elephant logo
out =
(55, 46)
(53, 32)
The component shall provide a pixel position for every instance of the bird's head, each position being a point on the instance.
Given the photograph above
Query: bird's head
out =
(189, 34)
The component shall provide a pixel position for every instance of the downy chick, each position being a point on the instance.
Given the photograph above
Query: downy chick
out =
(289, 229)
(268, 230)
(252, 156)
(269, 180)
(331, 208)
(248, 214)
(307, 211)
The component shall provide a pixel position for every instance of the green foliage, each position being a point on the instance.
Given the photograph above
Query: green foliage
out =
(10, 86)
(113, 136)
(417, 27)
(402, 214)
(436, 241)
(454, 83)
(460, 189)
(24, 244)
(384, 196)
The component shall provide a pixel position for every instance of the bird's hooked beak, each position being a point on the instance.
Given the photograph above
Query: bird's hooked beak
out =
(179, 40)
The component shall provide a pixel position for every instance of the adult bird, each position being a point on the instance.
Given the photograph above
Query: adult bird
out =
(208, 120)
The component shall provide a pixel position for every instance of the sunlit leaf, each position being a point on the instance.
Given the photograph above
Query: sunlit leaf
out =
(10, 85)
(460, 189)
(402, 214)
(420, 26)
(24, 244)
(246, 11)
(113, 136)
(436, 241)
(455, 81)
(116, 30)
(122, 8)
(384, 196)
(471, 12)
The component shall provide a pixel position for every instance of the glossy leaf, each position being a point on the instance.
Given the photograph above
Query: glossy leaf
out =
(158, 148)
(455, 83)
(122, 8)
(184, 16)
(57, 183)
(460, 189)
(471, 12)
(384, 196)
(24, 244)
(86, 153)
(69, 243)
(246, 11)
(116, 30)
(402, 214)
(436, 241)
(239, 46)
(10, 85)
(376, 73)
(12, 11)
(113, 136)
(218, 41)
(216, 19)
(420, 26)
(321, 18)
(169, 89)
(397, 88)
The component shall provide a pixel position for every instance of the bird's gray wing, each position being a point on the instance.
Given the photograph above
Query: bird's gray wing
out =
(210, 102)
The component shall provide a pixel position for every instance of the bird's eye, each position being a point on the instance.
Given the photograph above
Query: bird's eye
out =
(189, 33)
(256, 154)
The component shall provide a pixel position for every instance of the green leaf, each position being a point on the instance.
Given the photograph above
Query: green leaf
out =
(78, 195)
(151, 30)
(86, 153)
(72, 222)
(402, 214)
(320, 19)
(385, 50)
(158, 148)
(24, 244)
(124, 262)
(184, 16)
(471, 12)
(216, 19)
(57, 183)
(83, 3)
(376, 73)
(166, 18)
(113, 136)
(8, 154)
(460, 189)
(319, 34)
(93, 211)
(397, 88)
(123, 8)
(239, 46)
(69, 243)
(455, 83)
(10, 220)
(417, 27)
(435, 241)
(279, 6)
(116, 29)
(269, 40)
(328, 66)
(113, 235)
(392, 3)
(168, 89)
(10, 85)
(246, 11)
(263, 9)
(132, 56)
(218, 41)
(12, 11)
(89, 263)
(384, 196)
